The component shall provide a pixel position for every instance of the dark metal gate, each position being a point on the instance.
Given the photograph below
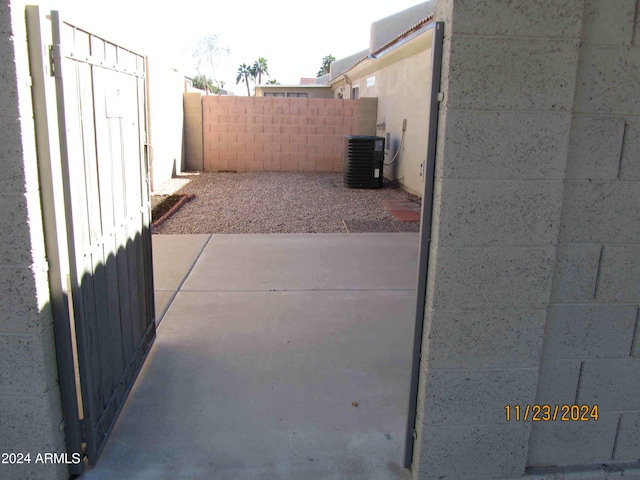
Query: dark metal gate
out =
(90, 116)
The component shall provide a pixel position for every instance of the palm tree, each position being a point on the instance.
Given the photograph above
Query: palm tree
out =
(273, 81)
(244, 73)
(326, 62)
(260, 68)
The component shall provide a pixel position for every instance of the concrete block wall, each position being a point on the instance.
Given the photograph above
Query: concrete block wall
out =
(511, 72)
(31, 418)
(533, 293)
(245, 134)
(591, 348)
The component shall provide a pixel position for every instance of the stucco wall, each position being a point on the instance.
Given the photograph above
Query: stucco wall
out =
(165, 107)
(281, 134)
(533, 289)
(193, 159)
(31, 415)
(402, 85)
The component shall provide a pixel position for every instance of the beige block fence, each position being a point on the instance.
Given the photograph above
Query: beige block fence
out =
(249, 134)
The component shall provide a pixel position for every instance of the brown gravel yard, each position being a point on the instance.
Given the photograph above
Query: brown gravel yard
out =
(280, 202)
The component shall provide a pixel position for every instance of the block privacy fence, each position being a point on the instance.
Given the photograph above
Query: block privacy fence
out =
(248, 134)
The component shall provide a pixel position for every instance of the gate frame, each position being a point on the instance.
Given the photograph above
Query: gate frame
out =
(45, 63)
(425, 241)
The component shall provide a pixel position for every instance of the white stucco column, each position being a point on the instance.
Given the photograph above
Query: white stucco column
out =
(31, 417)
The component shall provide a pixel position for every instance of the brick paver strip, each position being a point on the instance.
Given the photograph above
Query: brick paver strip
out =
(406, 215)
(172, 210)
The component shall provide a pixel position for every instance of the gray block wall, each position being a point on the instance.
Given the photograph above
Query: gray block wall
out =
(31, 416)
(534, 281)
(590, 348)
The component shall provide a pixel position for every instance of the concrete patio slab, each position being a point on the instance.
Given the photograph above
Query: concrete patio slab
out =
(162, 299)
(264, 382)
(307, 262)
(173, 258)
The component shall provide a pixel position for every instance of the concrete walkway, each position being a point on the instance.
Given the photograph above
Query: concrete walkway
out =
(280, 357)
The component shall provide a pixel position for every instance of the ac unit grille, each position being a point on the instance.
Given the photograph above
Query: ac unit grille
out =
(363, 161)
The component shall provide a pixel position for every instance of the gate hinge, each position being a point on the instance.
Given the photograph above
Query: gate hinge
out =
(52, 68)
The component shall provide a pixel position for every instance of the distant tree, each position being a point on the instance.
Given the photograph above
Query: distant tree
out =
(326, 62)
(205, 83)
(245, 72)
(260, 68)
(206, 55)
(273, 81)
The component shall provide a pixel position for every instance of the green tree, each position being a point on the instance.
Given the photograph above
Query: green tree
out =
(273, 81)
(206, 55)
(260, 68)
(326, 62)
(204, 83)
(244, 73)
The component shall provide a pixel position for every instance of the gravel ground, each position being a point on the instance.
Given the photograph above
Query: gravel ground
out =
(279, 202)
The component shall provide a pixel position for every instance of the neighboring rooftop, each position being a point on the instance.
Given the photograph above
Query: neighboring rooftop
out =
(384, 34)
(387, 32)
(343, 64)
(390, 28)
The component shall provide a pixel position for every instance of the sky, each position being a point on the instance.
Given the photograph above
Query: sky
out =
(293, 36)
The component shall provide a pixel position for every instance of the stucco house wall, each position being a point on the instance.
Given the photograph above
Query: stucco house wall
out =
(193, 152)
(400, 79)
(533, 293)
(165, 87)
(31, 414)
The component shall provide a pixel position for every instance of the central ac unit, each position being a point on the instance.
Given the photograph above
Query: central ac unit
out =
(363, 161)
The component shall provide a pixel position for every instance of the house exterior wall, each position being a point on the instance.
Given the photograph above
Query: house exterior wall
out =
(402, 86)
(281, 134)
(312, 92)
(31, 416)
(532, 290)
(166, 118)
(193, 159)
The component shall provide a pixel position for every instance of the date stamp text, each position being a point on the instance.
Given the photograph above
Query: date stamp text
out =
(551, 413)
